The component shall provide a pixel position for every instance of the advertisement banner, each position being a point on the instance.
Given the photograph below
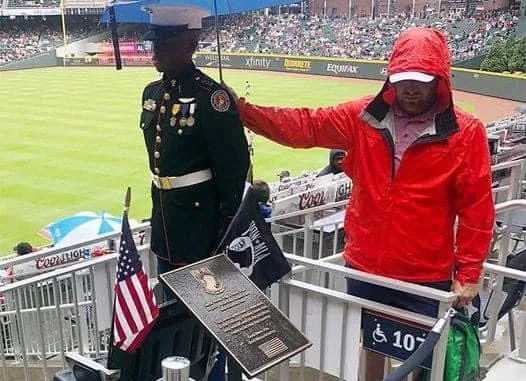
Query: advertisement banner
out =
(297, 65)
(334, 191)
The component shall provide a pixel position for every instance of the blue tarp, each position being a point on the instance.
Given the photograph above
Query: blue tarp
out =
(131, 11)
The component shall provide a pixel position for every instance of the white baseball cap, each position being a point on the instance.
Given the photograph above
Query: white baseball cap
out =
(411, 76)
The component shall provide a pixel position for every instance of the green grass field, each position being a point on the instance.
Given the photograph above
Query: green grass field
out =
(70, 140)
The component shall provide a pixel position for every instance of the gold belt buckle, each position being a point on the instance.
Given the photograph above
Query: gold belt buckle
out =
(165, 183)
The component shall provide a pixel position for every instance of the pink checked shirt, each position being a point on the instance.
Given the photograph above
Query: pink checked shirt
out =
(407, 129)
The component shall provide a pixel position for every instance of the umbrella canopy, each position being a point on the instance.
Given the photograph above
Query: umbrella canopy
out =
(81, 227)
(131, 11)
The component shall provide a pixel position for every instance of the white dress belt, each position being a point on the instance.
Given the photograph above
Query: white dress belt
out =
(173, 182)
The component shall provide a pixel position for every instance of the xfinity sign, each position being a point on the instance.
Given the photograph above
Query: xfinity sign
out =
(258, 63)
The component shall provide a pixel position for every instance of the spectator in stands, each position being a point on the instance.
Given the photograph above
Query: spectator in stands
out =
(283, 175)
(417, 164)
(262, 194)
(336, 157)
(23, 248)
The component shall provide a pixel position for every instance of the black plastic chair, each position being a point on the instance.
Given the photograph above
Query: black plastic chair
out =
(514, 291)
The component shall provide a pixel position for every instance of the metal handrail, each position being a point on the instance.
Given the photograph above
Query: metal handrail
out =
(76, 267)
(442, 296)
(59, 250)
(506, 271)
(509, 206)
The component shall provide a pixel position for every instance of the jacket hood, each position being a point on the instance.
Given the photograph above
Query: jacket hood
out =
(424, 50)
(333, 153)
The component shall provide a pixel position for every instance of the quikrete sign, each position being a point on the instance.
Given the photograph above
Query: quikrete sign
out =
(296, 65)
(392, 337)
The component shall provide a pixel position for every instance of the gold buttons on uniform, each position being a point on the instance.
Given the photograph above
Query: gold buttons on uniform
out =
(157, 139)
(166, 96)
(163, 109)
(157, 154)
(142, 125)
(197, 204)
(157, 170)
(180, 132)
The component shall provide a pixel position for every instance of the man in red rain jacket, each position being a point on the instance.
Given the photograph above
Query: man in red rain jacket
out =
(417, 164)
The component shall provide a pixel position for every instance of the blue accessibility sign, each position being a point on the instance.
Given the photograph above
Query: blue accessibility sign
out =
(392, 337)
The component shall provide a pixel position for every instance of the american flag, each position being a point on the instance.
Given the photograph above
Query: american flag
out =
(135, 308)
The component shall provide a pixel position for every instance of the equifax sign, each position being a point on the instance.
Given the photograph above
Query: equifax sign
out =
(339, 69)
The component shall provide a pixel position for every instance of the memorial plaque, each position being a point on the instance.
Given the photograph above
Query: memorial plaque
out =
(241, 318)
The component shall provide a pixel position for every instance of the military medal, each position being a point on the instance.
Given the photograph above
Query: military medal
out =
(184, 111)
(175, 108)
(191, 120)
(149, 105)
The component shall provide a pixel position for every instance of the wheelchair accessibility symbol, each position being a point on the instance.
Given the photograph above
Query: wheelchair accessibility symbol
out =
(379, 335)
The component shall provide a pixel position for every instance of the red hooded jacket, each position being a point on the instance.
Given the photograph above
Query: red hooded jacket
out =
(402, 225)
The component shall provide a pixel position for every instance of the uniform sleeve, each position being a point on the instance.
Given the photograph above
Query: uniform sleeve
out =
(228, 150)
(476, 211)
(330, 127)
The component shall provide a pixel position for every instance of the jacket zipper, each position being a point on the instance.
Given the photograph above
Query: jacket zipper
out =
(390, 142)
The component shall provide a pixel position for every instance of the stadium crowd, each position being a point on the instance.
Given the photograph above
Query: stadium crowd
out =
(25, 37)
(360, 38)
(294, 34)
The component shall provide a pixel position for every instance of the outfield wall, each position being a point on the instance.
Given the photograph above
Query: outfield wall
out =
(474, 81)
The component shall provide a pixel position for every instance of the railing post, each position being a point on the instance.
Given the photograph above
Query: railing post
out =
(439, 354)
(284, 304)
(520, 353)
(308, 243)
(494, 302)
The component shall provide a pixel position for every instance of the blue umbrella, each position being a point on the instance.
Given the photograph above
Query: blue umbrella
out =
(80, 227)
(131, 11)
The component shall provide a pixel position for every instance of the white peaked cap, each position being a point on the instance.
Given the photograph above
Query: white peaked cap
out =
(165, 15)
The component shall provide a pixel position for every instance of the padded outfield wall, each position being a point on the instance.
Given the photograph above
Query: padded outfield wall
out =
(505, 86)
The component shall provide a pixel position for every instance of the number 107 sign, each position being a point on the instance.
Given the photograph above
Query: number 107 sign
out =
(392, 337)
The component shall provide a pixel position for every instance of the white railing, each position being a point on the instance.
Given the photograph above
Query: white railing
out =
(69, 308)
(332, 319)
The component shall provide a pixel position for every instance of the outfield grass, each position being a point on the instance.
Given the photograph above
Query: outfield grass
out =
(71, 141)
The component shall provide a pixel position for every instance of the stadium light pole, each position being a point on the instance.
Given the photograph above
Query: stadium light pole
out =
(64, 33)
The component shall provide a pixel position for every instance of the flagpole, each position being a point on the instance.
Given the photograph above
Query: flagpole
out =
(64, 32)
(218, 43)
(127, 201)
(250, 175)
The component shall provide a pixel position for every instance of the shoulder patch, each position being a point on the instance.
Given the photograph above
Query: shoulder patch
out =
(220, 100)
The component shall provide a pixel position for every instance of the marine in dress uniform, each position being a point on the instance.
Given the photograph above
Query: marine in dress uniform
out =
(197, 150)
